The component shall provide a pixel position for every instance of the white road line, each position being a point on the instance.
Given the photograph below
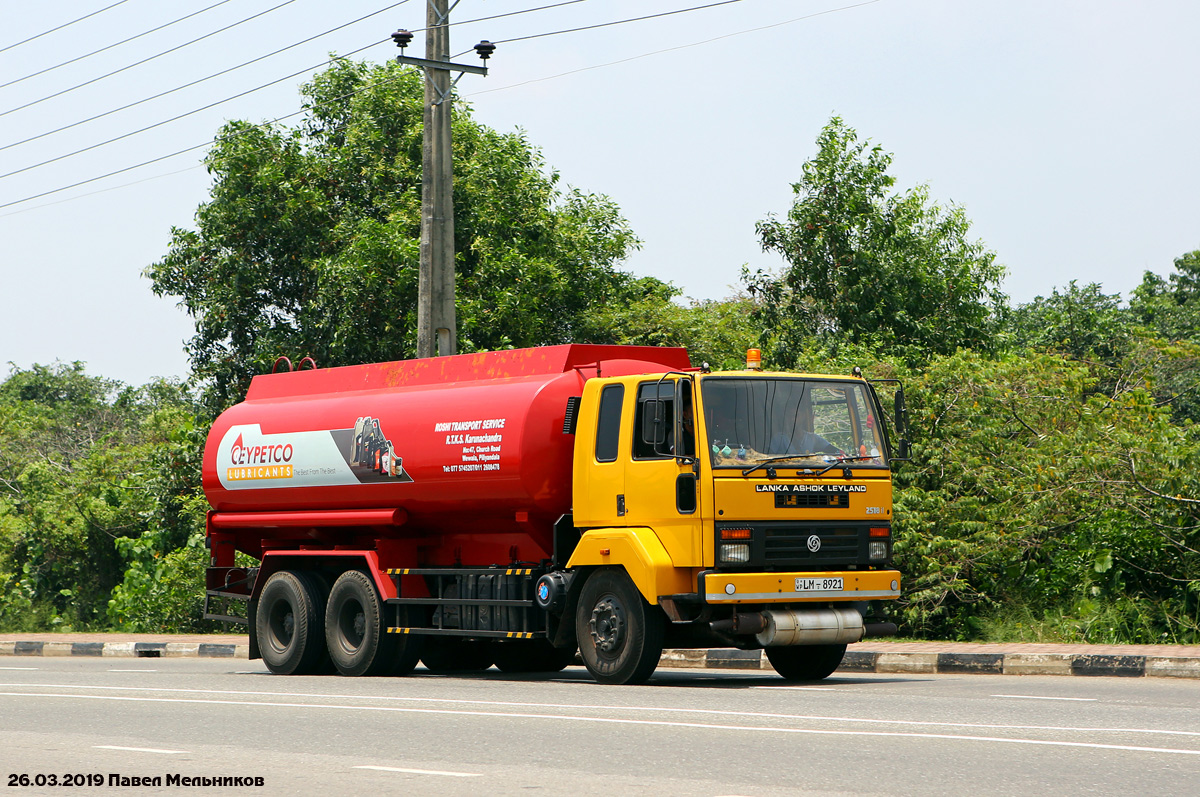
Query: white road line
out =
(408, 771)
(590, 707)
(800, 688)
(619, 721)
(138, 749)
(1041, 697)
(18, 668)
(115, 670)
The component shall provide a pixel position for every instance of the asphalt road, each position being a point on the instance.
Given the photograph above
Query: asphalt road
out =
(700, 733)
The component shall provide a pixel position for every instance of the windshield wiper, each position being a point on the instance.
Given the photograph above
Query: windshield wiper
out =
(771, 460)
(836, 462)
(823, 471)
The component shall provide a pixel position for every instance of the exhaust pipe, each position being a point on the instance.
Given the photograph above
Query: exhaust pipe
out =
(836, 626)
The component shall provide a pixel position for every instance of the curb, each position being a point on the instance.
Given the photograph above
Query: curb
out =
(855, 661)
(1120, 666)
(140, 650)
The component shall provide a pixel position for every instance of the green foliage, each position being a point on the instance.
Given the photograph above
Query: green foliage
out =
(1081, 322)
(84, 463)
(1171, 307)
(309, 243)
(1032, 489)
(162, 593)
(867, 265)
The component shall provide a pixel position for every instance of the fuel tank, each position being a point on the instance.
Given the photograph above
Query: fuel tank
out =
(472, 443)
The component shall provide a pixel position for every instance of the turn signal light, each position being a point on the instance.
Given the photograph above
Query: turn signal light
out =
(735, 534)
(880, 533)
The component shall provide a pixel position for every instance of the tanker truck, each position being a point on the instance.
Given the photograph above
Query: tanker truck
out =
(510, 508)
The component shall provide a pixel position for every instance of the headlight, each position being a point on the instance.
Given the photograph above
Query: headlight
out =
(877, 549)
(737, 553)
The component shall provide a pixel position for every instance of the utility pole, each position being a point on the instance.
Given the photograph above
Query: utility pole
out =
(437, 329)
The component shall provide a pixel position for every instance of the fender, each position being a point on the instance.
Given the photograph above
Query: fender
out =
(640, 553)
(274, 561)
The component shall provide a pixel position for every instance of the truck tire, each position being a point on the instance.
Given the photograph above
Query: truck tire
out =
(806, 662)
(290, 624)
(534, 655)
(451, 654)
(620, 635)
(358, 642)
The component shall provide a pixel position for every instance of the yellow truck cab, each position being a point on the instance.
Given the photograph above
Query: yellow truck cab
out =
(743, 509)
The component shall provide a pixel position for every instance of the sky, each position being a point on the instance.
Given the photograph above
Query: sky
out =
(1066, 129)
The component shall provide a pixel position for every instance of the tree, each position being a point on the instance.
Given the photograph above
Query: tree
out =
(1084, 323)
(1171, 307)
(309, 242)
(871, 266)
(85, 463)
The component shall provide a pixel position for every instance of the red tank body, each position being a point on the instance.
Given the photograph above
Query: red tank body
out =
(452, 446)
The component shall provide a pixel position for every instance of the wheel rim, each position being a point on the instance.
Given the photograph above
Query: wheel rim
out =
(282, 625)
(352, 625)
(607, 625)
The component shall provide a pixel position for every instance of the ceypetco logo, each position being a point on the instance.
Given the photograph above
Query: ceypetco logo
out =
(259, 462)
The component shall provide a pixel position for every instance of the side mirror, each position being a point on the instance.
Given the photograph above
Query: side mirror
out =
(654, 427)
(901, 414)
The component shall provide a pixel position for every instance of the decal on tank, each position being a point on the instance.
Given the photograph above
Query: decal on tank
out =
(247, 459)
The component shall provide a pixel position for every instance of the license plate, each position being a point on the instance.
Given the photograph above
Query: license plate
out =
(819, 584)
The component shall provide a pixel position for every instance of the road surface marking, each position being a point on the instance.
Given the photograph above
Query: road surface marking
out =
(800, 688)
(138, 670)
(619, 721)
(1040, 697)
(422, 771)
(18, 668)
(137, 749)
(585, 707)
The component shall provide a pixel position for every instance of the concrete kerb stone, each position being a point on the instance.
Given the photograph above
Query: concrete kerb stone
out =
(121, 649)
(907, 662)
(1172, 667)
(1038, 664)
(57, 648)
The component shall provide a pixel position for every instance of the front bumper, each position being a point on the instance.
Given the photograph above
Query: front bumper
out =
(857, 585)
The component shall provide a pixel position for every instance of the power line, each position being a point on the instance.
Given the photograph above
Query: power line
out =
(186, 150)
(203, 79)
(485, 91)
(673, 49)
(500, 16)
(617, 22)
(183, 115)
(60, 27)
(111, 46)
(146, 60)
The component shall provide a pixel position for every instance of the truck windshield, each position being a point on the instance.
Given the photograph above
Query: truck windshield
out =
(748, 420)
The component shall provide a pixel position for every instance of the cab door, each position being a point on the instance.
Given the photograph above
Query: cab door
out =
(661, 489)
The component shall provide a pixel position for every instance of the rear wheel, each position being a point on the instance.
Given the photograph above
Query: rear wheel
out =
(289, 624)
(452, 654)
(533, 655)
(355, 634)
(806, 662)
(620, 635)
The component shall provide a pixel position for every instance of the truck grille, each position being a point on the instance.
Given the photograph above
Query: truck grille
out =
(786, 546)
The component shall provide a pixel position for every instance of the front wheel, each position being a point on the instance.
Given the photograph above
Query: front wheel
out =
(620, 635)
(806, 662)
(358, 642)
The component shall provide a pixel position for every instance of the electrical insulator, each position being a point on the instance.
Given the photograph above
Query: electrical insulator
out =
(485, 49)
(402, 38)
